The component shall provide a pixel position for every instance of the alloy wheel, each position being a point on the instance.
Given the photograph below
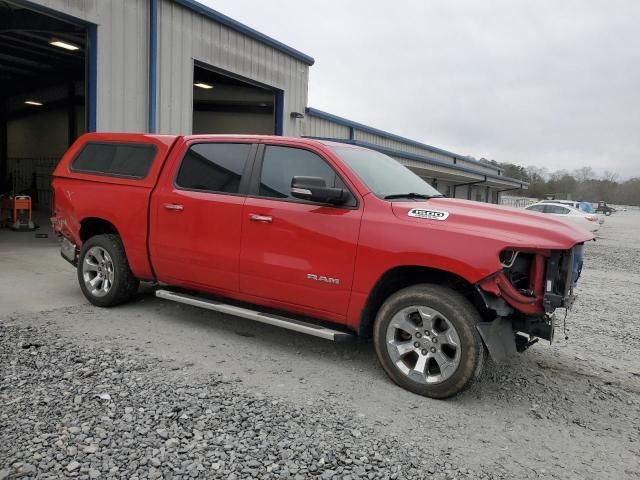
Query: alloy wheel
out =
(423, 344)
(98, 271)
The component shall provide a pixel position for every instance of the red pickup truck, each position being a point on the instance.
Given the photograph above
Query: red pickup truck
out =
(324, 238)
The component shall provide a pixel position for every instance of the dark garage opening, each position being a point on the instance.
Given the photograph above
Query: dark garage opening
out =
(42, 97)
(226, 104)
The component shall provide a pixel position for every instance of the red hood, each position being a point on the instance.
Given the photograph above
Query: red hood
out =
(513, 227)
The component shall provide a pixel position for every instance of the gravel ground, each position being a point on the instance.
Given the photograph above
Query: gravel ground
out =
(195, 394)
(97, 412)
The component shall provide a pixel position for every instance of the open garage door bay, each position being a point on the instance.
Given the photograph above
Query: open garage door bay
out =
(224, 103)
(42, 97)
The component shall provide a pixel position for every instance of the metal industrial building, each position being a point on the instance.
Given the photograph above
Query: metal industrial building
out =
(170, 66)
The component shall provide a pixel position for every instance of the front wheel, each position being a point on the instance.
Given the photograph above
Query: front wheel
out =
(427, 341)
(103, 272)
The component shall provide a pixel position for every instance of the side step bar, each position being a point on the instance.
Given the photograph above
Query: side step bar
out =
(268, 318)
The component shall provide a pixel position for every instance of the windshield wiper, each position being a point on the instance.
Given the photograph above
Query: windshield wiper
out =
(410, 195)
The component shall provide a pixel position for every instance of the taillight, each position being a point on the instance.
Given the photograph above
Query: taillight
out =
(592, 218)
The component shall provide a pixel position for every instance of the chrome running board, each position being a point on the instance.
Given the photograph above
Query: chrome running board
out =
(262, 317)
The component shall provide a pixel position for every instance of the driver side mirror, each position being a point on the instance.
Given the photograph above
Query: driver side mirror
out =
(314, 189)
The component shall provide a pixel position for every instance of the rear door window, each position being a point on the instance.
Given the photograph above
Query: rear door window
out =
(115, 159)
(214, 167)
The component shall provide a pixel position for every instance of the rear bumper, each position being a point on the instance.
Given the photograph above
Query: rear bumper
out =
(69, 251)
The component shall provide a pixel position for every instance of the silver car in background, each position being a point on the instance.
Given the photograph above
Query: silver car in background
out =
(578, 206)
(588, 221)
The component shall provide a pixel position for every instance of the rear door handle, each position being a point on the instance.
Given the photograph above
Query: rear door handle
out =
(174, 206)
(254, 217)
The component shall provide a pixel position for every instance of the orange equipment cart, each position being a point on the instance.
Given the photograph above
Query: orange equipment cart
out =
(16, 212)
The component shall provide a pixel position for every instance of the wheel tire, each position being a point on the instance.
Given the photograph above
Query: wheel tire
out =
(459, 313)
(123, 286)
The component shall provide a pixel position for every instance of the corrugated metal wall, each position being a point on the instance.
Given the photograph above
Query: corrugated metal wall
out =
(433, 153)
(319, 127)
(446, 178)
(123, 65)
(476, 166)
(123, 33)
(397, 145)
(186, 36)
(86, 10)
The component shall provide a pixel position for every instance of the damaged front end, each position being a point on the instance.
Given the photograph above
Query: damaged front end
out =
(521, 298)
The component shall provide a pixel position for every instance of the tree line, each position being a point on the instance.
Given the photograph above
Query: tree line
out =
(578, 184)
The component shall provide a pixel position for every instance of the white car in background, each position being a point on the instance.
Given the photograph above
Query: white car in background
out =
(571, 203)
(588, 221)
(576, 205)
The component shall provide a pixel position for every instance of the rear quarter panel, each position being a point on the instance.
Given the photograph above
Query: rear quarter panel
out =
(123, 202)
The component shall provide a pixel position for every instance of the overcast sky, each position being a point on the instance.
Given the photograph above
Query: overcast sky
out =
(548, 83)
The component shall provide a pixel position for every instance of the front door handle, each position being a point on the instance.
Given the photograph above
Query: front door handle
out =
(254, 217)
(174, 206)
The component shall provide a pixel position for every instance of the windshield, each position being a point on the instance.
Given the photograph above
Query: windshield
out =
(385, 176)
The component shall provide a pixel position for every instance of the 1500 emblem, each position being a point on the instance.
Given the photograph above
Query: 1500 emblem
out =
(429, 214)
(322, 278)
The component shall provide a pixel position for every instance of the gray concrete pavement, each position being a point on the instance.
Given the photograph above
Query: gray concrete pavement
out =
(33, 277)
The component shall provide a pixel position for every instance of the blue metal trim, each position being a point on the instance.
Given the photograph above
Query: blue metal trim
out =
(420, 158)
(244, 29)
(153, 66)
(92, 78)
(279, 112)
(365, 128)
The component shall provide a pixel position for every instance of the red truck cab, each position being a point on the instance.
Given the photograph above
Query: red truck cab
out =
(316, 236)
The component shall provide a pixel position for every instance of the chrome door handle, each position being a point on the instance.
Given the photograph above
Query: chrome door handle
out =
(254, 217)
(174, 207)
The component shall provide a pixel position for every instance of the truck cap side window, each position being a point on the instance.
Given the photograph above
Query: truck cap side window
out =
(115, 159)
(213, 167)
(281, 164)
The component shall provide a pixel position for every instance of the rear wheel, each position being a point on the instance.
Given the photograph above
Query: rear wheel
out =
(427, 342)
(103, 272)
